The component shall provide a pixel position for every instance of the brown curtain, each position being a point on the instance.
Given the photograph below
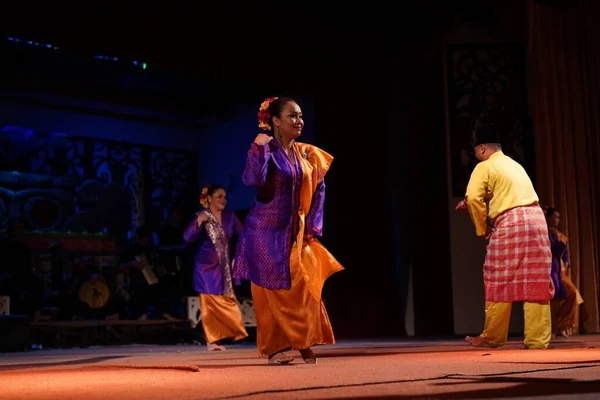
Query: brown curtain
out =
(564, 66)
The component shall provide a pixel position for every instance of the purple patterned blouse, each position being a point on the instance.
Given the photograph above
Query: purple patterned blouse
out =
(208, 273)
(271, 226)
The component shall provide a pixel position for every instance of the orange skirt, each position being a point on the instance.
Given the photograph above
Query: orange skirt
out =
(290, 319)
(565, 310)
(221, 318)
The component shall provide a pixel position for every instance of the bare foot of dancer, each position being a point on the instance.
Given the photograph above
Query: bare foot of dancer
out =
(215, 347)
(308, 356)
(477, 341)
(280, 358)
(564, 334)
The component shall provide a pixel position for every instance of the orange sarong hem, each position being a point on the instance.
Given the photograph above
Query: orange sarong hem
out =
(290, 319)
(315, 261)
(221, 318)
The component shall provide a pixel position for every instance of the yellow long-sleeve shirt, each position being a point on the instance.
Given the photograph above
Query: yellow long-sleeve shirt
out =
(497, 185)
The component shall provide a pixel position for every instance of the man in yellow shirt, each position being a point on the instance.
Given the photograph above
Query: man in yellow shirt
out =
(504, 208)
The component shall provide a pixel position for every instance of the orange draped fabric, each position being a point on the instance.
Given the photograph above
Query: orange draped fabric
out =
(565, 310)
(564, 66)
(221, 318)
(316, 263)
(290, 319)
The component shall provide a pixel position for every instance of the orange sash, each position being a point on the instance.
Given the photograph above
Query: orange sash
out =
(316, 263)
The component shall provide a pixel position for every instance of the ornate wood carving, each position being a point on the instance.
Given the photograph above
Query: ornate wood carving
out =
(485, 83)
(62, 183)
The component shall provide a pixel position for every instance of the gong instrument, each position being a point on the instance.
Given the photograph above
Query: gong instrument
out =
(95, 293)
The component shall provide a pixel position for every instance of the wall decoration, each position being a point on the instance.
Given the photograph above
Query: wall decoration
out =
(64, 183)
(485, 83)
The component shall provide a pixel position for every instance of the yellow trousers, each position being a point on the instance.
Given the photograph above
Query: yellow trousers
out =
(538, 325)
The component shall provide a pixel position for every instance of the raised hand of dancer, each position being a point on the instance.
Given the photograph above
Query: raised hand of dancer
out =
(262, 139)
(201, 218)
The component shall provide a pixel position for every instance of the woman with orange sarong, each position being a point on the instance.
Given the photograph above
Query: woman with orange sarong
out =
(214, 231)
(279, 252)
(564, 304)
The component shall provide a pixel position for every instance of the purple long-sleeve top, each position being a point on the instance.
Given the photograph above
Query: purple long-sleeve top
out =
(208, 273)
(271, 226)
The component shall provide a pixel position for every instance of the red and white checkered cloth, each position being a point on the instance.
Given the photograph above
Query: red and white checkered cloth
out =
(518, 258)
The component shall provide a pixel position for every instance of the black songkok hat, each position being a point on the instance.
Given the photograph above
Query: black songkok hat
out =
(486, 133)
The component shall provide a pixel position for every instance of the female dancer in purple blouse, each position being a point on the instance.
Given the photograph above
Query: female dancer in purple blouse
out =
(567, 299)
(215, 231)
(279, 252)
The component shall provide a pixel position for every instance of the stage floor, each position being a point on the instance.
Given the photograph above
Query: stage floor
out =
(392, 369)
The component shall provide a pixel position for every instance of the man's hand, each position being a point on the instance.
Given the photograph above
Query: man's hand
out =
(461, 206)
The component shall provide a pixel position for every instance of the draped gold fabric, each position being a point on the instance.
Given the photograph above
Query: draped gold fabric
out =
(564, 62)
(315, 261)
(290, 319)
(564, 311)
(221, 318)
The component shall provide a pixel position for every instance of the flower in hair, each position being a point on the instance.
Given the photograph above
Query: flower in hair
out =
(204, 197)
(264, 118)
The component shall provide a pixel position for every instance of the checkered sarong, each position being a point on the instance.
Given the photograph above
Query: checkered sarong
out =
(518, 259)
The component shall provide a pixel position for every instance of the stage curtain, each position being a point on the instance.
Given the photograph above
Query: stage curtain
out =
(564, 67)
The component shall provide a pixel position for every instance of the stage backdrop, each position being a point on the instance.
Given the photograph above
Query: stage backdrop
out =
(69, 171)
(484, 83)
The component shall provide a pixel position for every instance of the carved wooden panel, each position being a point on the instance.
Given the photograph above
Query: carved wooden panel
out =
(63, 183)
(485, 83)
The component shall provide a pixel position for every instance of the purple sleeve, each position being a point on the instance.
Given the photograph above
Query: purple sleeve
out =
(257, 162)
(238, 230)
(191, 233)
(314, 219)
(565, 256)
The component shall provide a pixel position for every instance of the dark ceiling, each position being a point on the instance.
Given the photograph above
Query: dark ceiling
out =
(288, 37)
(215, 53)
